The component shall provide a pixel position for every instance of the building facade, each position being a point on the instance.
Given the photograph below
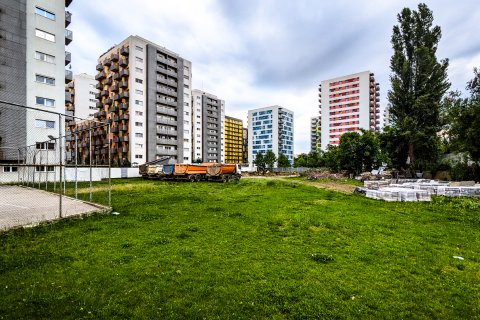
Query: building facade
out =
(32, 72)
(387, 120)
(84, 95)
(145, 98)
(244, 146)
(348, 104)
(233, 140)
(270, 128)
(208, 117)
(315, 134)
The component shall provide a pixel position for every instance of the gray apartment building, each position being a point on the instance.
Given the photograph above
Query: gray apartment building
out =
(208, 127)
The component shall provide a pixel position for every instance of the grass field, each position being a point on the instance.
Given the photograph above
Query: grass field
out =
(259, 248)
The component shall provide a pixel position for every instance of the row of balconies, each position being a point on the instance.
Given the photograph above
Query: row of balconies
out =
(167, 102)
(68, 76)
(172, 142)
(167, 72)
(166, 152)
(167, 132)
(161, 120)
(68, 36)
(167, 111)
(120, 139)
(166, 61)
(170, 92)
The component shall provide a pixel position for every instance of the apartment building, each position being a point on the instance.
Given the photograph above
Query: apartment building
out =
(270, 128)
(233, 145)
(244, 146)
(32, 73)
(208, 118)
(145, 97)
(387, 120)
(315, 134)
(80, 96)
(348, 104)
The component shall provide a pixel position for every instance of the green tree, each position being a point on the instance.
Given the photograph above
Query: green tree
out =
(331, 158)
(259, 162)
(270, 159)
(283, 161)
(300, 160)
(359, 152)
(419, 82)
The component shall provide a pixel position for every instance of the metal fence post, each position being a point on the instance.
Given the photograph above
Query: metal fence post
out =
(76, 165)
(90, 148)
(60, 155)
(109, 169)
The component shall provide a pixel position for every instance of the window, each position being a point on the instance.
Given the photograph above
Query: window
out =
(45, 102)
(44, 168)
(139, 70)
(186, 140)
(10, 169)
(46, 124)
(45, 146)
(44, 79)
(138, 80)
(138, 59)
(139, 113)
(138, 91)
(186, 104)
(139, 124)
(92, 93)
(186, 132)
(186, 77)
(187, 113)
(44, 13)
(44, 57)
(186, 86)
(139, 102)
(45, 35)
(138, 135)
(138, 145)
(138, 156)
(138, 48)
(186, 95)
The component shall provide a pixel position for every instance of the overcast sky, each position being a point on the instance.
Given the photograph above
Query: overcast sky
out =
(256, 53)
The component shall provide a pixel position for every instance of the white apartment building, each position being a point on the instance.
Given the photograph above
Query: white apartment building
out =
(34, 74)
(348, 104)
(85, 93)
(208, 127)
(270, 128)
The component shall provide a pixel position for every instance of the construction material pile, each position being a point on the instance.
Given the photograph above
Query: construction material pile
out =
(416, 189)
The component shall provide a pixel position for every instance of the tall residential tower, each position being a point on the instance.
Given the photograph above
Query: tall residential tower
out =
(348, 104)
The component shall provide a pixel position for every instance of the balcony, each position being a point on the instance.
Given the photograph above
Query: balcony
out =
(70, 107)
(67, 2)
(124, 128)
(166, 152)
(114, 57)
(115, 119)
(124, 95)
(114, 67)
(99, 85)
(123, 84)
(124, 117)
(167, 132)
(172, 73)
(115, 129)
(114, 88)
(123, 62)
(124, 73)
(68, 57)
(123, 106)
(172, 142)
(116, 97)
(100, 76)
(108, 102)
(68, 36)
(68, 97)
(124, 51)
(113, 108)
(99, 105)
(68, 18)
(168, 111)
(167, 102)
(108, 81)
(107, 62)
(103, 93)
(101, 113)
(169, 92)
(68, 76)
(161, 120)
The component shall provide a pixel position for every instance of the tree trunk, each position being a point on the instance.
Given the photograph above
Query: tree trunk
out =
(412, 157)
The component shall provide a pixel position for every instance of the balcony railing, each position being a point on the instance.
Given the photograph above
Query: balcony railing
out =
(68, 97)
(68, 37)
(68, 57)
(68, 18)
(161, 120)
(124, 51)
(167, 132)
(172, 142)
(167, 102)
(169, 111)
(167, 152)
(68, 76)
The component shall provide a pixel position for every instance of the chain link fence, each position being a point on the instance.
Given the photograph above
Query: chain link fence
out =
(65, 157)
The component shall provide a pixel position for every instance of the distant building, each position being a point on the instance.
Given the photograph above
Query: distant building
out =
(387, 121)
(244, 146)
(348, 104)
(233, 140)
(315, 134)
(208, 116)
(84, 95)
(33, 38)
(270, 128)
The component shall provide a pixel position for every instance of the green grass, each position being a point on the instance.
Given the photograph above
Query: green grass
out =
(259, 248)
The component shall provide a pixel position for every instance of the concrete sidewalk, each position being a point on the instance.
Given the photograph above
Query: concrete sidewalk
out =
(21, 206)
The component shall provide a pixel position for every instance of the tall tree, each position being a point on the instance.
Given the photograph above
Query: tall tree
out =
(270, 159)
(419, 82)
(283, 161)
(259, 161)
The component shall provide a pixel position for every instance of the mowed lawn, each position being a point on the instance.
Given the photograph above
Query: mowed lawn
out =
(259, 248)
